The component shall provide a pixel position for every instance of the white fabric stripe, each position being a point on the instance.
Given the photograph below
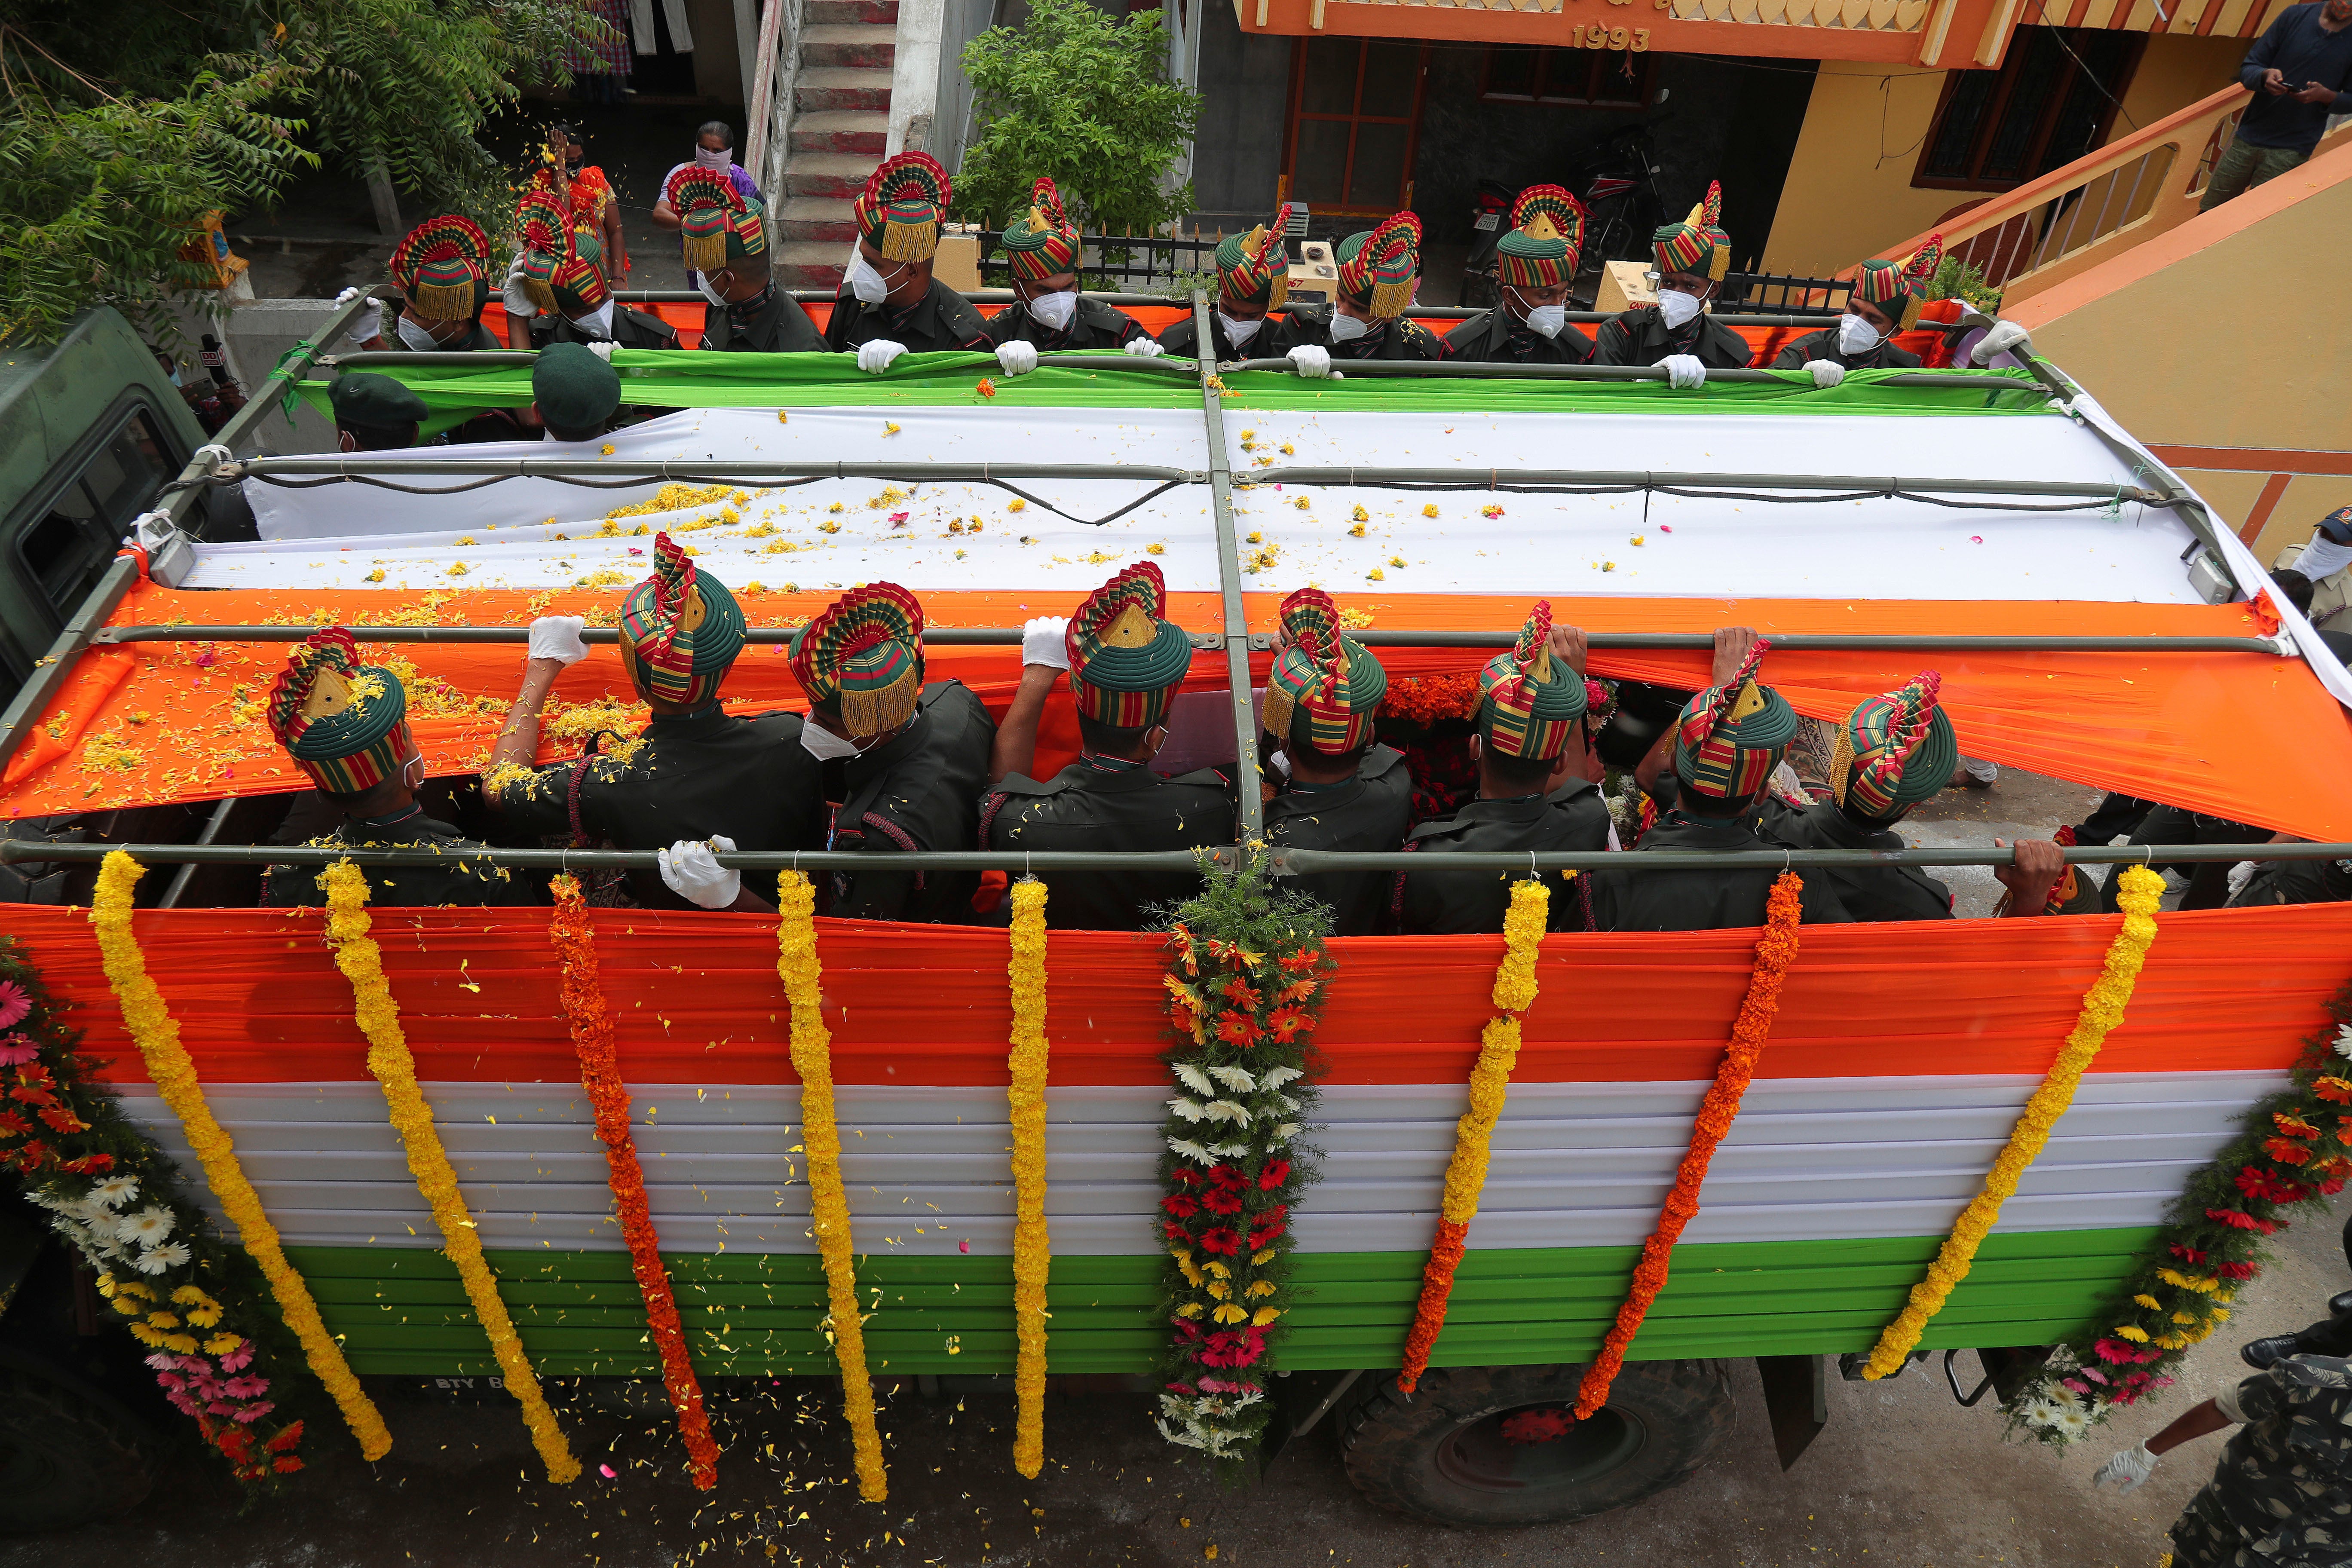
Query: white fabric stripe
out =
(536, 533)
(1574, 1164)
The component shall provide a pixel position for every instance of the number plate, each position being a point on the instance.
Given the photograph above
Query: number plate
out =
(1487, 221)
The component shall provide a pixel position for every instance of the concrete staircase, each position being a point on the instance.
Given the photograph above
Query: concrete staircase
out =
(840, 117)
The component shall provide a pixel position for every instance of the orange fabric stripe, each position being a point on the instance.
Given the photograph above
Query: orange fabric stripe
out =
(2256, 460)
(2265, 504)
(695, 998)
(2149, 724)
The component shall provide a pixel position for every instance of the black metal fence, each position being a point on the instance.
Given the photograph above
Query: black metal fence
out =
(1133, 259)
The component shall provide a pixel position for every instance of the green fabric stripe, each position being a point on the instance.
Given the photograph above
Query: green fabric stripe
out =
(680, 379)
(401, 1311)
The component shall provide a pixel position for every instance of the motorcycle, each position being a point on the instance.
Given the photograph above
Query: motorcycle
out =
(1616, 179)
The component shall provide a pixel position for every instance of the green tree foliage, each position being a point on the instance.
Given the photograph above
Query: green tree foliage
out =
(1082, 97)
(1956, 280)
(123, 124)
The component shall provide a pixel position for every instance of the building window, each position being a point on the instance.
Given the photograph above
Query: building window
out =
(2051, 101)
(1593, 79)
(1355, 114)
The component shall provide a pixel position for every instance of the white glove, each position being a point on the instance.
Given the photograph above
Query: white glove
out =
(2006, 337)
(602, 348)
(512, 294)
(558, 638)
(1684, 372)
(690, 869)
(2127, 1469)
(2239, 875)
(874, 358)
(1310, 361)
(1143, 348)
(1017, 358)
(1042, 642)
(368, 323)
(1827, 373)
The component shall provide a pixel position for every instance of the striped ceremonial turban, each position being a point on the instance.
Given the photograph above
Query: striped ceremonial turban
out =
(443, 265)
(1897, 287)
(1125, 661)
(1729, 737)
(719, 225)
(1325, 689)
(1546, 236)
(560, 264)
(1254, 266)
(1697, 245)
(343, 722)
(681, 630)
(1529, 701)
(861, 660)
(1895, 751)
(905, 201)
(1044, 243)
(1377, 268)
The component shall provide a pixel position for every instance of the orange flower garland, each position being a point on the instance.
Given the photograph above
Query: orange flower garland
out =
(1774, 952)
(1425, 699)
(600, 1074)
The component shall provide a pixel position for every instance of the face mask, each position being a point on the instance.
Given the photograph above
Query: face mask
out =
(713, 295)
(175, 375)
(1855, 335)
(1548, 320)
(717, 163)
(868, 284)
(1055, 310)
(1346, 329)
(416, 336)
(1676, 307)
(2323, 557)
(1240, 332)
(597, 323)
(824, 745)
(415, 764)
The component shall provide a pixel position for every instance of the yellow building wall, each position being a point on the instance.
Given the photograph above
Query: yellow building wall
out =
(1849, 193)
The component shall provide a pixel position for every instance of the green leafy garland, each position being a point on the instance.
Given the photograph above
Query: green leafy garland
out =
(2293, 1153)
(220, 1351)
(1248, 968)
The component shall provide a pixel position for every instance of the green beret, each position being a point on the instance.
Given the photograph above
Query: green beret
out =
(377, 402)
(575, 389)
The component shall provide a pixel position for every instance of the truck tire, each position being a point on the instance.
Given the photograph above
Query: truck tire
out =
(1497, 1446)
(63, 1460)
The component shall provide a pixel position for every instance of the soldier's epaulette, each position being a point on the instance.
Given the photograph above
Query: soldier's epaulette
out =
(1023, 784)
(1377, 761)
(1205, 778)
(1442, 826)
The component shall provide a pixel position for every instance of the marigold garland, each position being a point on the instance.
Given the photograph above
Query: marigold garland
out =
(798, 966)
(1490, 1083)
(1032, 1250)
(591, 1020)
(388, 1058)
(1427, 699)
(2103, 1009)
(1775, 950)
(153, 1030)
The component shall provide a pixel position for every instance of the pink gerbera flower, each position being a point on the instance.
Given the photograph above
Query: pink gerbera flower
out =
(15, 1003)
(19, 1050)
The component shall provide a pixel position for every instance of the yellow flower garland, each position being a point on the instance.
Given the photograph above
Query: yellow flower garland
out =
(797, 965)
(157, 1036)
(361, 961)
(1032, 1251)
(2102, 1010)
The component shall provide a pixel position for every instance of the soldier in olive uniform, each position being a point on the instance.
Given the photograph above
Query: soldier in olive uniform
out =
(1048, 314)
(345, 724)
(726, 237)
(889, 302)
(697, 776)
(1884, 301)
(1124, 665)
(441, 269)
(1676, 333)
(1893, 752)
(1532, 793)
(1378, 271)
(1343, 791)
(575, 394)
(556, 291)
(2280, 1496)
(1726, 741)
(910, 760)
(1534, 266)
(1253, 277)
(2296, 882)
(374, 413)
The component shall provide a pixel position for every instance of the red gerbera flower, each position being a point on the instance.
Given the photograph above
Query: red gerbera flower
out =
(1186, 1175)
(2237, 1270)
(2286, 1150)
(1179, 1204)
(1300, 960)
(11, 1124)
(2187, 1253)
(2239, 1220)
(88, 1164)
(1287, 1021)
(1268, 1226)
(1272, 1174)
(1221, 1200)
(1223, 1240)
(1238, 1029)
(1299, 992)
(1171, 1230)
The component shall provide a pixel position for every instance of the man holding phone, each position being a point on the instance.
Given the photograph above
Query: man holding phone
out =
(2296, 71)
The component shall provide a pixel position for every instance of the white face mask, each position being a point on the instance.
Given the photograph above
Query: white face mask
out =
(1239, 332)
(1055, 310)
(713, 295)
(824, 745)
(1346, 328)
(868, 284)
(717, 163)
(597, 323)
(1676, 307)
(1856, 336)
(415, 766)
(412, 333)
(1548, 320)
(2323, 557)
